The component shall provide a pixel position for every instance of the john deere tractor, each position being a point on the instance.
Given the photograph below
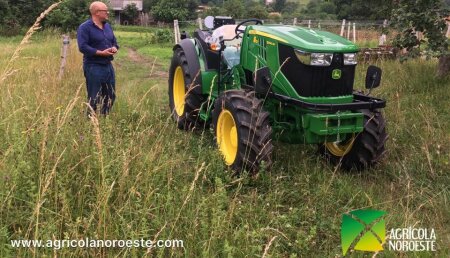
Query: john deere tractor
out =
(254, 84)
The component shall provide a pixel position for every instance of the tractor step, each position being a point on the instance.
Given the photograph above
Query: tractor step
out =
(330, 127)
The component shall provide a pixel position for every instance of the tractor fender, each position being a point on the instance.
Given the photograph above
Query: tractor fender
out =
(193, 64)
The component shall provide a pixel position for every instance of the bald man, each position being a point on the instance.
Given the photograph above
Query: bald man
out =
(98, 44)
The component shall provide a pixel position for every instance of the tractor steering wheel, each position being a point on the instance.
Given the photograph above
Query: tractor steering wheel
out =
(237, 31)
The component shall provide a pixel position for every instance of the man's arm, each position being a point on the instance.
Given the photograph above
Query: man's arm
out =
(83, 39)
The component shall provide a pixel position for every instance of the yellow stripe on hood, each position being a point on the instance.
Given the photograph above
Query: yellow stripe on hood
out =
(267, 35)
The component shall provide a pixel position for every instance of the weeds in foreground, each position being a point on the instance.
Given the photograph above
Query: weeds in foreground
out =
(133, 175)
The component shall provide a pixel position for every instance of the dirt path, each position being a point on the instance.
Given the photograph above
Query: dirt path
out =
(158, 69)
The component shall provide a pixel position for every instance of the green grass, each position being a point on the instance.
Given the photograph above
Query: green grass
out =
(137, 176)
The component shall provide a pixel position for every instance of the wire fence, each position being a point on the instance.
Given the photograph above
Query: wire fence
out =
(374, 38)
(364, 33)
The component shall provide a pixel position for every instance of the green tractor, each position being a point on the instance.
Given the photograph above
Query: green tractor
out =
(254, 83)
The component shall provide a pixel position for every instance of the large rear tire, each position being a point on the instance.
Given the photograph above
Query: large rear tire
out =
(243, 132)
(183, 102)
(363, 150)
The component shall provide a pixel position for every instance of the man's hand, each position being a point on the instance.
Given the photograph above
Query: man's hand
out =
(107, 52)
(113, 50)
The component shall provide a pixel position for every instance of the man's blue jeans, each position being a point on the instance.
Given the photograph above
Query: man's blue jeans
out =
(100, 82)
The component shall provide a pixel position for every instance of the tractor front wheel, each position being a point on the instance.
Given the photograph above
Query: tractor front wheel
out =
(362, 150)
(183, 102)
(242, 130)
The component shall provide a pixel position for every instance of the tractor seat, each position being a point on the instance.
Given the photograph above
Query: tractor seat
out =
(227, 32)
(232, 52)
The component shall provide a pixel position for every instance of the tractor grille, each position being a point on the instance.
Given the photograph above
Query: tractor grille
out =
(314, 81)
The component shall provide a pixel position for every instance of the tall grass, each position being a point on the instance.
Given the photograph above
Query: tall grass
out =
(133, 175)
(9, 70)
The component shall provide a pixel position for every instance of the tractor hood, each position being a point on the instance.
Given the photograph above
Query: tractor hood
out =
(305, 39)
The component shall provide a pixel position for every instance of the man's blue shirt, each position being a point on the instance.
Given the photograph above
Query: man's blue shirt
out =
(91, 38)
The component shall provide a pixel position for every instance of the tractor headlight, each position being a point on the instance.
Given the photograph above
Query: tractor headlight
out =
(321, 59)
(350, 59)
(315, 59)
(303, 57)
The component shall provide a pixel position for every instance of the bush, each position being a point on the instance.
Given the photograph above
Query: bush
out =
(276, 17)
(163, 36)
(10, 28)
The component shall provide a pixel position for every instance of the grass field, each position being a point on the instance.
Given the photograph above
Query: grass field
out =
(133, 175)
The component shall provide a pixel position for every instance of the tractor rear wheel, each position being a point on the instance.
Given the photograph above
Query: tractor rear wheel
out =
(242, 130)
(183, 102)
(360, 151)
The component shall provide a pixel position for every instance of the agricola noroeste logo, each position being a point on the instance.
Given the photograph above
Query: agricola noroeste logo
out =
(365, 223)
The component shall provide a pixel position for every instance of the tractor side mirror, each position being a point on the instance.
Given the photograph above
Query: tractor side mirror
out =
(209, 22)
(184, 35)
(373, 77)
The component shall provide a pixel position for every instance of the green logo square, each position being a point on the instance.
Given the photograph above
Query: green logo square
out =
(365, 223)
(336, 74)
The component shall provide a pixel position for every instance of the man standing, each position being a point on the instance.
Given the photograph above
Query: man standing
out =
(98, 44)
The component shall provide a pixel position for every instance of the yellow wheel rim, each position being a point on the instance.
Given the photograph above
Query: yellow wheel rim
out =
(179, 91)
(227, 136)
(340, 149)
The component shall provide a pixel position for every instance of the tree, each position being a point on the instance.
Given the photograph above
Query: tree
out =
(148, 5)
(257, 11)
(320, 9)
(4, 10)
(214, 2)
(363, 9)
(69, 15)
(213, 11)
(424, 16)
(234, 8)
(130, 13)
(8, 26)
(169, 10)
(292, 10)
(15, 14)
(279, 5)
(25, 12)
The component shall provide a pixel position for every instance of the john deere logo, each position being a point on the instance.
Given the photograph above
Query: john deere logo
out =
(367, 224)
(336, 74)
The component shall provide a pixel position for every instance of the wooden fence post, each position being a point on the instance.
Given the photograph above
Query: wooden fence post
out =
(354, 32)
(309, 23)
(65, 46)
(342, 28)
(176, 31)
(295, 22)
(348, 30)
(383, 39)
(200, 23)
(448, 30)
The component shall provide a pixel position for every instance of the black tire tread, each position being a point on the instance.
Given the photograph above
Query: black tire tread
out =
(190, 119)
(368, 147)
(254, 130)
